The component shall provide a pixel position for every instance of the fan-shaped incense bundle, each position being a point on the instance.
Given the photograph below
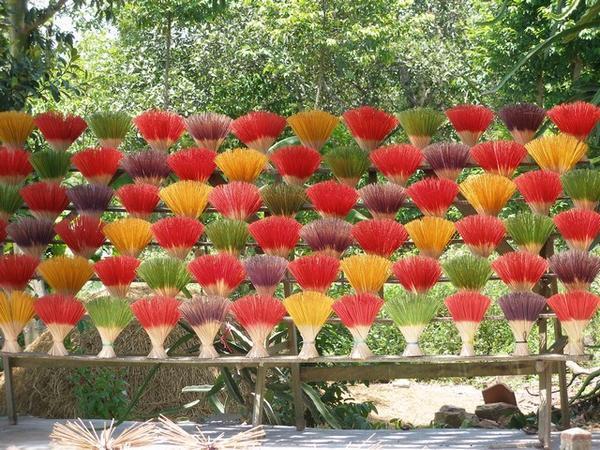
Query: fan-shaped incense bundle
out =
(520, 271)
(66, 275)
(97, 164)
(205, 314)
(574, 310)
(327, 236)
(276, 235)
(60, 131)
(383, 200)
(577, 119)
(315, 272)
(540, 189)
(218, 274)
(529, 231)
(468, 272)
(110, 127)
(166, 276)
(258, 129)
(138, 199)
(470, 122)
(147, 166)
(60, 313)
(420, 124)
(583, 187)
(83, 235)
(348, 164)
(397, 162)
(357, 313)
(283, 199)
(447, 159)
(296, 163)
(177, 235)
(186, 198)
(380, 237)
(228, 236)
(430, 235)
(369, 126)
(10, 201)
(110, 316)
(332, 199)
(522, 120)
(129, 236)
(16, 271)
(499, 157)
(160, 129)
(241, 164)
(576, 270)
(313, 127)
(366, 273)
(412, 313)
(117, 273)
(559, 153)
(208, 129)
(258, 315)
(51, 165)
(3, 233)
(417, 274)
(433, 196)
(265, 272)
(14, 166)
(15, 128)
(481, 234)
(578, 227)
(90, 199)
(158, 316)
(467, 310)
(45, 200)
(522, 310)
(236, 200)
(31, 235)
(487, 193)
(193, 164)
(16, 310)
(309, 310)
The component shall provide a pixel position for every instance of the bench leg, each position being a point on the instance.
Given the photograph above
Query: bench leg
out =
(545, 410)
(11, 407)
(297, 394)
(259, 393)
(565, 412)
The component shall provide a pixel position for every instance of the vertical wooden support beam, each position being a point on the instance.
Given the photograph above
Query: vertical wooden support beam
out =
(11, 407)
(545, 409)
(259, 393)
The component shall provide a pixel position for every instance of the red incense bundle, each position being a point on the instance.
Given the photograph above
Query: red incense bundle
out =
(369, 126)
(327, 236)
(540, 189)
(46, 200)
(417, 274)
(194, 164)
(315, 272)
(59, 130)
(576, 270)
(236, 200)
(158, 316)
(332, 199)
(98, 165)
(470, 122)
(177, 235)
(218, 274)
(208, 129)
(117, 273)
(206, 314)
(383, 200)
(160, 129)
(60, 313)
(577, 119)
(16, 271)
(578, 227)
(258, 315)
(433, 196)
(481, 234)
(83, 235)
(296, 163)
(499, 157)
(467, 310)
(276, 235)
(258, 129)
(138, 199)
(397, 162)
(522, 120)
(3, 233)
(379, 236)
(14, 166)
(447, 159)
(520, 270)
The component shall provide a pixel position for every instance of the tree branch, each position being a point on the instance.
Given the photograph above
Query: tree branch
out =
(48, 13)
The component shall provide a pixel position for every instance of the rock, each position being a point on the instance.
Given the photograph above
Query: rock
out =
(470, 421)
(499, 393)
(450, 417)
(496, 411)
(487, 424)
(575, 439)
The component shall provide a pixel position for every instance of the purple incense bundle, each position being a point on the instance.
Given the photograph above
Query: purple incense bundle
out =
(205, 314)
(208, 129)
(522, 120)
(328, 236)
(147, 166)
(576, 269)
(447, 159)
(31, 235)
(90, 199)
(383, 200)
(265, 272)
(521, 309)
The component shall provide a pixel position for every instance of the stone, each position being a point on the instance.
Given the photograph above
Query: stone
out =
(470, 421)
(450, 416)
(487, 424)
(499, 393)
(496, 411)
(575, 439)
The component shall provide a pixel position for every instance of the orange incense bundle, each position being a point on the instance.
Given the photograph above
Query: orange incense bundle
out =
(206, 314)
(60, 313)
(117, 273)
(208, 129)
(327, 236)
(578, 227)
(481, 234)
(366, 273)
(520, 270)
(430, 235)
(383, 200)
(574, 310)
(160, 129)
(158, 316)
(14, 166)
(186, 198)
(258, 129)
(499, 157)
(467, 310)
(575, 269)
(397, 162)
(540, 189)
(65, 275)
(577, 119)
(138, 199)
(83, 235)
(15, 128)
(236, 200)
(218, 274)
(522, 120)
(315, 272)
(369, 126)
(380, 237)
(447, 159)
(97, 164)
(16, 271)
(296, 163)
(16, 310)
(433, 196)
(177, 235)
(31, 235)
(357, 313)
(194, 164)
(417, 274)
(265, 272)
(59, 130)
(241, 164)
(470, 122)
(129, 236)
(313, 127)
(258, 315)
(559, 153)
(487, 193)
(276, 235)
(332, 199)
(45, 200)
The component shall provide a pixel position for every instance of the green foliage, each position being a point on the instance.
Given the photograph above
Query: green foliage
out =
(468, 272)
(100, 393)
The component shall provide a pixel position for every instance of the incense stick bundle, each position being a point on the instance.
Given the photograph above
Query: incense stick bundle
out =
(65, 275)
(193, 164)
(160, 129)
(417, 274)
(218, 274)
(520, 271)
(369, 126)
(576, 270)
(117, 273)
(158, 316)
(60, 313)
(208, 129)
(315, 272)
(276, 235)
(60, 130)
(470, 122)
(420, 124)
(177, 235)
(138, 199)
(51, 165)
(241, 164)
(14, 166)
(332, 199)
(228, 236)
(296, 163)
(236, 200)
(45, 200)
(433, 196)
(110, 127)
(146, 166)
(327, 236)
(430, 235)
(366, 273)
(15, 128)
(265, 272)
(3, 234)
(397, 162)
(578, 227)
(31, 235)
(83, 235)
(481, 234)
(577, 119)
(529, 231)
(76, 435)
(166, 276)
(540, 189)
(447, 159)
(487, 193)
(206, 314)
(522, 120)
(16, 271)
(499, 157)
(467, 310)
(383, 200)
(16, 310)
(258, 129)
(129, 235)
(380, 237)
(90, 199)
(283, 199)
(97, 164)
(186, 198)
(583, 187)
(468, 272)
(559, 153)
(348, 164)
(313, 127)
(522, 310)
(10, 201)
(110, 316)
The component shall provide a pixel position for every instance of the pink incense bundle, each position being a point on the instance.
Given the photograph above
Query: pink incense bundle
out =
(59, 130)
(332, 199)
(258, 315)
(276, 235)
(574, 310)
(98, 165)
(481, 234)
(158, 316)
(194, 164)
(327, 236)
(16, 271)
(147, 166)
(433, 196)
(83, 235)
(160, 129)
(117, 273)
(31, 235)
(208, 129)
(447, 159)
(397, 162)
(470, 121)
(206, 314)
(90, 199)
(540, 189)
(60, 313)
(520, 270)
(499, 157)
(379, 236)
(357, 313)
(369, 126)
(576, 270)
(578, 227)
(296, 163)
(258, 129)
(315, 272)
(265, 272)
(383, 200)
(218, 274)
(138, 199)
(177, 235)
(577, 119)
(14, 166)
(237, 200)
(417, 274)
(467, 310)
(45, 199)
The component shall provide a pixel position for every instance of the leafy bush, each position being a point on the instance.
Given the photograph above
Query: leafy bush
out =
(100, 393)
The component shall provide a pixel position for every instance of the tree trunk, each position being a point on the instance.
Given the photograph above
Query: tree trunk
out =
(167, 80)
(16, 10)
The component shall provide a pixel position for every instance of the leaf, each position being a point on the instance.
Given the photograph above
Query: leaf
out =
(204, 388)
(232, 387)
(321, 407)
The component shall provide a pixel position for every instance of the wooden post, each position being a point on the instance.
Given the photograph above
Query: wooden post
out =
(11, 407)
(545, 409)
(259, 392)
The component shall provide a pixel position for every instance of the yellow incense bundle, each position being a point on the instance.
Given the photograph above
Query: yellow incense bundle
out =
(366, 273)
(16, 310)
(129, 236)
(430, 235)
(241, 164)
(313, 127)
(558, 153)
(15, 128)
(488, 193)
(66, 275)
(186, 198)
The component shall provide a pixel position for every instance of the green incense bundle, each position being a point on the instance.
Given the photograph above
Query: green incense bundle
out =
(348, 164)
(110, 127)
(583, 186)
(283, 199)
(10, 201)
(228, 236)
(110, 316)
(51, 165)
(420, 124)
(468, 272)
(529, 231)
(167, 276)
